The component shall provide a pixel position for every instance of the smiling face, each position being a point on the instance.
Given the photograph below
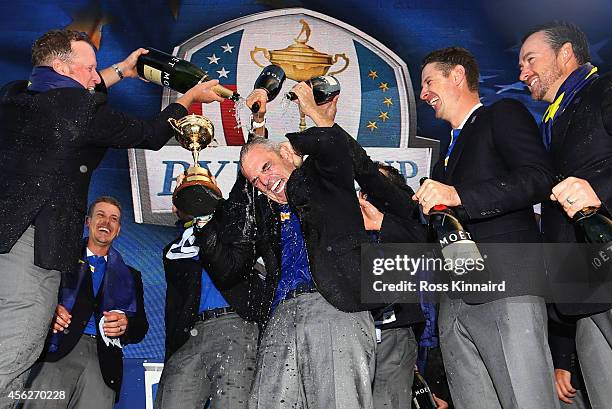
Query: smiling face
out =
(269, 170)
(541, 68)
(439, 91)
(104, 225)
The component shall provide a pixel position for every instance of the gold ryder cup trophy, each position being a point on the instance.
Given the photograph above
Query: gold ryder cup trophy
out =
(300, 61)
(198, 194)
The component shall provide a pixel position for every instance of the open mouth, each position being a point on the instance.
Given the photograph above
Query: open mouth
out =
(433, 102)
(104, 229)
(532, 81)
(278, 186)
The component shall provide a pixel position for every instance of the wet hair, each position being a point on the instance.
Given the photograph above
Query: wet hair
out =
(558, 33)
(448, 58)
(392, 174)
(265, 143)
(56, 44)
(103, 199)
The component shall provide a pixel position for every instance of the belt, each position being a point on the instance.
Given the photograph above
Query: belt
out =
(89, 335)
(299, 291)
(214, 313)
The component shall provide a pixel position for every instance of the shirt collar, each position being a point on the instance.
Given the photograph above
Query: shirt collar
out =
(89, 253)
(474, 108)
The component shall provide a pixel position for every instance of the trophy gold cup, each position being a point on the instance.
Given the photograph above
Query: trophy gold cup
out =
(198, 194)
(300, 61)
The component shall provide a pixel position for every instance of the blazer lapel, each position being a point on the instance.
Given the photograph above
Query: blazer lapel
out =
(562, 124)
(460, 144)
(560, 127)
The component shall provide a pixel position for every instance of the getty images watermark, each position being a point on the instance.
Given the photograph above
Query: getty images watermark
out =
(559, 272)
(425, 268)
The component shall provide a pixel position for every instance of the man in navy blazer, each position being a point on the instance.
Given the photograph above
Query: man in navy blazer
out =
(495, 167)
(100, 309)
(577, 129)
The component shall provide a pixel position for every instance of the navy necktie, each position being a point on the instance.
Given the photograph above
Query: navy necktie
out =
(454, 137)
(98, 267)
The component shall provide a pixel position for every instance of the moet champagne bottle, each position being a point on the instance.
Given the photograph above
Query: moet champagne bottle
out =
(595, 227)
(270, 80)
(324, 89)
(455, 241)
(172, 72)
(422, 397)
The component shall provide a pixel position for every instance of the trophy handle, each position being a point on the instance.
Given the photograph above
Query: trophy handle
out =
(335, 60)
(173, 123)
(265, 52)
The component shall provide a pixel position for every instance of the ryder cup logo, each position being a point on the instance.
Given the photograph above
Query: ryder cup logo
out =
(376, 106)
(377, 103)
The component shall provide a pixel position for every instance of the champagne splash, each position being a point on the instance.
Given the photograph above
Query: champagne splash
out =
(242, 114)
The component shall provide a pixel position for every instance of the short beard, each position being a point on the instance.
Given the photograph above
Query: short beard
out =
(547, 79)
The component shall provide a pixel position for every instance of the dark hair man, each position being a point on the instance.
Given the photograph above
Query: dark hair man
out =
(496, 168)
(100, 309)
(53, 134)
(577, 130)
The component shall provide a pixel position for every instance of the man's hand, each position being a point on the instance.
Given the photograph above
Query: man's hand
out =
(440, 403)
(61, 319)
(260, 96)
(200, 93)
(115, 323)
(433, 193)
(322, 115)
(128, 66)
(372, 217)
(565, 390)
(574, 194)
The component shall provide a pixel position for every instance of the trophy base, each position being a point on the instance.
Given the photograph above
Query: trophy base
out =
(197, 195)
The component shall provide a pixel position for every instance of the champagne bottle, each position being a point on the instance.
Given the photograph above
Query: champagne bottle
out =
(422, 397)
(172, 72)
(324, 89)
(445, 228)
(271, 80)
(594, 226)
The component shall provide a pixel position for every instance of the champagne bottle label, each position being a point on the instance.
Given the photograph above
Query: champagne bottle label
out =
(602, 258)
(152, 74)
(421, 394)
(456, 236)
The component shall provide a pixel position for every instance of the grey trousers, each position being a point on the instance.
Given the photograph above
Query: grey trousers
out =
(594, 347)
(216, 362)
(396, 356)
(315, 356)
(28, 296)
(496, 354)
(78, 375)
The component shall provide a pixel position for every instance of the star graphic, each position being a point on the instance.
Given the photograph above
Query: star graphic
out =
(384, 86)
(383, 116)
(227, 48)
(515, 86)
(373, 75)
(223, 73)
(388, 102)
(483, 78)
(213, 59)
(371, 125)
